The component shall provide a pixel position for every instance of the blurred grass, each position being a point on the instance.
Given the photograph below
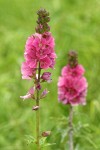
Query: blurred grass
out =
(75, 25)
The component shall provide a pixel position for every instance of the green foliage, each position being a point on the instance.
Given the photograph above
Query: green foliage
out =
(75, 25)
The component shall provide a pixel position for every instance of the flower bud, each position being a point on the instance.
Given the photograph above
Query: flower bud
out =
(46, 76)
(38, 86)
(46, 133)
(35, 108)
(43, 19)
(72, 59)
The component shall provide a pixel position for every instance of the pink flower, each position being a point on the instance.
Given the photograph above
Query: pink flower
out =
(72, 90)
(38, 48)
(45, 63)
(77, 71)
(72, 86)
(30, 94)
(27, 72)
(46, 76)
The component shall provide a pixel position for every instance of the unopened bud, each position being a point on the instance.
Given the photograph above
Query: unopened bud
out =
(46, 133)
(38, 86)
(35, 108)
(46, 76)
(43, 19)
(72, 59)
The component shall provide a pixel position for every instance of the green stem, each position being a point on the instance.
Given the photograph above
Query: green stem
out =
(37, 112)
(71, 147)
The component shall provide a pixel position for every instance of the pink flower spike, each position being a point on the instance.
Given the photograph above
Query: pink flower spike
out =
(39, 48)
(72, 86)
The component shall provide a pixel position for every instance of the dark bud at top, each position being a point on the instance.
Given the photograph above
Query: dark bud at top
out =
(46, 133)
(72, 59)
(42, 22)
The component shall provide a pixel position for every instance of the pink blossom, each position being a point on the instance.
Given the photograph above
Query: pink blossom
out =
(46, 76)
(72, 90)
(30, 94)
(72, 86)
(27, 72)
(38, 48)
(77, 71)
(45, 63)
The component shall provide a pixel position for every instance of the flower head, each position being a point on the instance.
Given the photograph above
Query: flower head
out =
(39, 48)
(72, 86)
(70, 90)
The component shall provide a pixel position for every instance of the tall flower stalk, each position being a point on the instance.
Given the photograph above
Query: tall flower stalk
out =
(39, 55)
(72, 89)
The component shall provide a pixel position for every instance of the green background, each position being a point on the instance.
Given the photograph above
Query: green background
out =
(75, 24)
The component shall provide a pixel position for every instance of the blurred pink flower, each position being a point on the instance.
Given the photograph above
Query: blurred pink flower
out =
(72, 86)
(77, 71)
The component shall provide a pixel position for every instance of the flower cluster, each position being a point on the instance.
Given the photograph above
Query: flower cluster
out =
(72, 86)
(39, 49)
(39, 54)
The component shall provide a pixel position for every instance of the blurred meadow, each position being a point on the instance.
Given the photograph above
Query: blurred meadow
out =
(75, 24)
